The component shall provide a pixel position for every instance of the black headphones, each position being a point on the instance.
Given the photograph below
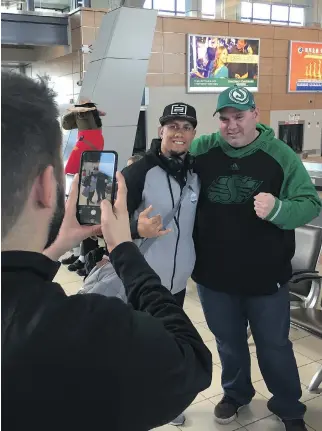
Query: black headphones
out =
(176, 163)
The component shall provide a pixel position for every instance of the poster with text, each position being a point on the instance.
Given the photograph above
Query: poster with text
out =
(218, 62)
(305, 67)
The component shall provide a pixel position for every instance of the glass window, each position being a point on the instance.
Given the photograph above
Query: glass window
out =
(246, 9)
(208, 7)
(280, 13)
(166, 13)
(261, 11)
(148, 4)
(167, 5)
(264, 13)
(181, 6)
(296, 16)
(261, 21)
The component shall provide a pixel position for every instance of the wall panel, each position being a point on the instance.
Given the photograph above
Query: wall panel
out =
(167, 65)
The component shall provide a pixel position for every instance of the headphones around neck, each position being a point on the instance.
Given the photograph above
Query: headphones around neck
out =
(176, 163)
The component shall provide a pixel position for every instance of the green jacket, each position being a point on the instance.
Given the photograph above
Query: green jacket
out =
(237, 251)
(298, 202)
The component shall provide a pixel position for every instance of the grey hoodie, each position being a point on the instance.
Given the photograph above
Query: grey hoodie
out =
(154, 181)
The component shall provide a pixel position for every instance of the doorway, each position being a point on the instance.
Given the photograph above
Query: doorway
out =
(292, 135)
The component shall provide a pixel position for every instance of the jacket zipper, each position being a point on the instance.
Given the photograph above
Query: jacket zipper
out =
(176, 220)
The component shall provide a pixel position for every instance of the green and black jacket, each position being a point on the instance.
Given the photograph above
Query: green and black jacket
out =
(237, 252)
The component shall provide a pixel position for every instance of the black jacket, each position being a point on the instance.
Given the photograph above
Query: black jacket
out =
(88, 362)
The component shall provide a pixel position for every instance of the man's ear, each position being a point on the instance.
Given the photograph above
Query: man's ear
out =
(194, 132)
(160, 132)
(45, 188)
(257, 114)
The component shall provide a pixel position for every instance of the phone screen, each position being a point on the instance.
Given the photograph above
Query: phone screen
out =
(96, 183)
(69, 179)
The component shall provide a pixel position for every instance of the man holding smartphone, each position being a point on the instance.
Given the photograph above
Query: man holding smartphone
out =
(81, 362)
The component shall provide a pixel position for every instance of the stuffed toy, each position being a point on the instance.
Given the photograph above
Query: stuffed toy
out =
(87, 119)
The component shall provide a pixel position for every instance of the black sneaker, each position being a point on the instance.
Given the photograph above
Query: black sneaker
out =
(294, 425)
(69, 260)
(75, 266)
(81, 272)
(226, 410)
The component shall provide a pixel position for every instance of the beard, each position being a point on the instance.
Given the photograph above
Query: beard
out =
(58, 217)
(177, 154)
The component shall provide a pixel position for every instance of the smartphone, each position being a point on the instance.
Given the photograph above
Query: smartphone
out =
(96, 183)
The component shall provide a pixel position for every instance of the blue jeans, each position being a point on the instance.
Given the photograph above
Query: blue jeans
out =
(269, 319)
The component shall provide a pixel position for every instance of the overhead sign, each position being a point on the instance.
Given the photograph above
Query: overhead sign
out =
(305, 67)
(219, 62)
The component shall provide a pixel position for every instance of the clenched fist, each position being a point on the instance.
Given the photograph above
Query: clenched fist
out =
(264, 203)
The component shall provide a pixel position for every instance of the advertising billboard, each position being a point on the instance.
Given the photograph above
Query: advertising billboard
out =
(305, 67)
(219, 62)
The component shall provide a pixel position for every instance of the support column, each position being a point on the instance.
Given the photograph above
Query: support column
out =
(87, 3)
(116, 74)
(220, 9)
(30, 5)
(313, 14)
(193, 8)
(231, 10)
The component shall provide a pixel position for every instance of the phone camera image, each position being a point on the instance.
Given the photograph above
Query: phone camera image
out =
(69, 180)
(97, 182)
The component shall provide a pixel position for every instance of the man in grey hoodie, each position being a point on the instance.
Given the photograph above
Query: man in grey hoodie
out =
(155, 184)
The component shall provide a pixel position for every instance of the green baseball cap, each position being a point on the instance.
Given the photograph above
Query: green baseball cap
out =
(236, 97)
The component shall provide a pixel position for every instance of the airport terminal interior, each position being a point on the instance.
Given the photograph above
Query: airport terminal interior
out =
(134, 57)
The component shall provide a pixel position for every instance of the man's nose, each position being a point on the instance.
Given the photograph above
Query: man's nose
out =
(232, 125)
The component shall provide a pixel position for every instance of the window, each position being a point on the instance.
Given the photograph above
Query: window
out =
(280, 14)
(181, 6)
(208, 8)
(261, 12)
(264, 13)
(166, 7)
(246, 10)
(148, 4)
(296, 16)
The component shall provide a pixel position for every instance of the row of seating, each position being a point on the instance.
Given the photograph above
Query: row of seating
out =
(305, 288)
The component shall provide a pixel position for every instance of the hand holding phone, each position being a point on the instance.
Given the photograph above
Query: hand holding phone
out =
(71, 234)
(115, 223)
(97, 183)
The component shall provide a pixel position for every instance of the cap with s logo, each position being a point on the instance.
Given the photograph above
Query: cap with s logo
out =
(179, 111)
(236, 97)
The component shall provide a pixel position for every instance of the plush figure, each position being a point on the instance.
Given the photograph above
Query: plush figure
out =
(87, 119)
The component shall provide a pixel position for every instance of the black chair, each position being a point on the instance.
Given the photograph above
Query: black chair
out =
(309, 320)
(305, 284)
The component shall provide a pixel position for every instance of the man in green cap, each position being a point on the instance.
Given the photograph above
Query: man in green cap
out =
(254, 192)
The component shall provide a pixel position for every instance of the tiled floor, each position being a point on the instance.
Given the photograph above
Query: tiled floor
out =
(256, 417)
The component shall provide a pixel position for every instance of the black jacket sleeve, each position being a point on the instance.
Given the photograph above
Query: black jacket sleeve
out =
(167, 358)
(135, 179)
(146, 357)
